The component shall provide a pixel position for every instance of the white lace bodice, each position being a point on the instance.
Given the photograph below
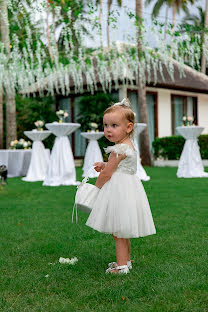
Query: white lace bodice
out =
(127, 165)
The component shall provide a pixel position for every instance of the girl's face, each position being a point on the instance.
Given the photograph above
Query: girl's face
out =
(116, 127)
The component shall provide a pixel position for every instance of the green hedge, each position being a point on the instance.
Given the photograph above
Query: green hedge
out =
(171, 147)
(31, 109)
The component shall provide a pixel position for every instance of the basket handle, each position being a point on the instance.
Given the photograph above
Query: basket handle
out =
(87, 176)
(82, 183)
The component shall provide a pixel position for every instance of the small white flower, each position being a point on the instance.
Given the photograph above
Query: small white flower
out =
(94, 125)
(68, 261)
(64, 260)
(47, 275)
(25, 144)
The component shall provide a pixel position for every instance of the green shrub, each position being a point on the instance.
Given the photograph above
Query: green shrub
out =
(31, 109)
(203, 145)
(171, 147)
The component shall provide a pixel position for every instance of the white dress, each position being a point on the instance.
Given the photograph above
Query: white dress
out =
(121, 207)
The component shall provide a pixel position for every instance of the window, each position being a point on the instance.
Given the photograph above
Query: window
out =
(182, 105)
(151, 99)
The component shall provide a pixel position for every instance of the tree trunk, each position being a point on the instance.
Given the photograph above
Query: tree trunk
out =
(48, 31)
(11, 128)
(100, 22)
(1, 117)
(54, 26)
(203, 61)
(174, 14)
(108, 30)
(166, 21)
(145, 148)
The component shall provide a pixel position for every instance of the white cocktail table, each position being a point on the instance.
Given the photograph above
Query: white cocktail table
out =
(40, 156)
(138, 128)
(190, 163)
(93, 153)
(16, 160)
(61, 168)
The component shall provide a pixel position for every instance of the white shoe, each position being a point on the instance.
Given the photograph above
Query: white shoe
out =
(122, 269)
(112, 265)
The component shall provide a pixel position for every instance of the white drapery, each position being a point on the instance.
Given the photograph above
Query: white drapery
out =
(93, 153)
(190, 163)
(61, 168)
(40, 156)
(16, 161)
(141, 173)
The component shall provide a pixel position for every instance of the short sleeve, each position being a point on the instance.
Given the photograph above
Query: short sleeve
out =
(120, 149)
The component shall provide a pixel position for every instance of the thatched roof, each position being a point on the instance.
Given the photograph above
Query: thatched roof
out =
(191, 79)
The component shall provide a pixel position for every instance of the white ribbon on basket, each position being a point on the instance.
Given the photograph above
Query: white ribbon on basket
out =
(84, 181)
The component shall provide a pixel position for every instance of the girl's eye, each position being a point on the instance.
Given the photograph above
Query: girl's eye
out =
(114, 125)
(105, 125)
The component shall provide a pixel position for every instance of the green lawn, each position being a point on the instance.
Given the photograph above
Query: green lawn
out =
(170, 271)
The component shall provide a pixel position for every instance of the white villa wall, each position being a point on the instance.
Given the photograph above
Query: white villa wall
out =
(164, 113)
(164, 109)
(203, 112)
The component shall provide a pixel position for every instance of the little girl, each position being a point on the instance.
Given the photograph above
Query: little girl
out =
(121, 207)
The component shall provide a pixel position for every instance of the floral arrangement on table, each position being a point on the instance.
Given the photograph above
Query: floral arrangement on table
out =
(188, 120)
(93, 127)
(39, 124)
(62, 114)
(21, 144)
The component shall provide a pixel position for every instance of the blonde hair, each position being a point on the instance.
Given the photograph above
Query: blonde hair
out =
(126, 111)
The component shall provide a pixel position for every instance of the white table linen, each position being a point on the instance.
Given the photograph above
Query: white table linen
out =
(40, 156)
(190, 163)
(141, 173)
(17, 161)
(61, 168)
(93, 153)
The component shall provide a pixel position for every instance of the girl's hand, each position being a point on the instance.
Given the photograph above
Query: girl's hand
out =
(99, 166)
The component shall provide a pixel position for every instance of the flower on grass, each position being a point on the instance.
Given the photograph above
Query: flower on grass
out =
(68, 261)
(47, 275)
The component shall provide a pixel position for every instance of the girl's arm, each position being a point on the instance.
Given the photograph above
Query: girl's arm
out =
(109, 169)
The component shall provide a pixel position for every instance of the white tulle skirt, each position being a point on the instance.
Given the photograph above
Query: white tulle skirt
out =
(122, 208)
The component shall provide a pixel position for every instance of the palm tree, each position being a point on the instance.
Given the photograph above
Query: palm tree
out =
(1, 117)
(199, 24)
(145, 148)
(196, 20)
(109, 3)
(100, 3)
(194, 23)
(203, 61)
(11, 128)
(48, 33)
(176, 5)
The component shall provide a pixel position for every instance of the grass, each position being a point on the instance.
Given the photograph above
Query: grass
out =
(170, 271)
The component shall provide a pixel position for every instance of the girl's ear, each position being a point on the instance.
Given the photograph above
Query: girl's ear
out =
(130, 127)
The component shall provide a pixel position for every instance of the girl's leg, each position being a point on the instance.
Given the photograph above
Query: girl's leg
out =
(122, 250)
(129, 249)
